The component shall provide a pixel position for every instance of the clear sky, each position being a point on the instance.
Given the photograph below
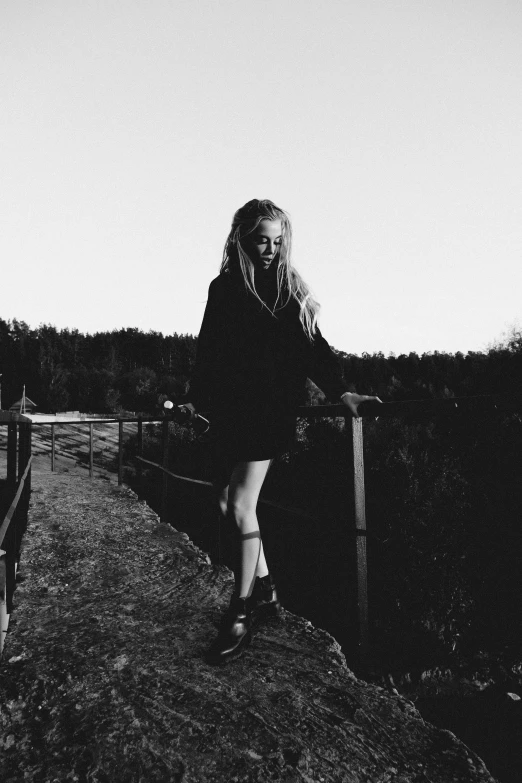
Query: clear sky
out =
(390, 130)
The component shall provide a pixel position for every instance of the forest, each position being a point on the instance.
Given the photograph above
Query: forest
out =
(130, 370)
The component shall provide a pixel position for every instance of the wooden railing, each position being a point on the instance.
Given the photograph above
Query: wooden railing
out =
(355, 508)
(15, 497)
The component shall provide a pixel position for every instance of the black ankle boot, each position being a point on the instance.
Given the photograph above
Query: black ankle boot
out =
(234, 632)
(264, 602)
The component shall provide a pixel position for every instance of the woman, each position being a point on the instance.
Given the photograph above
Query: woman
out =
(258, 343)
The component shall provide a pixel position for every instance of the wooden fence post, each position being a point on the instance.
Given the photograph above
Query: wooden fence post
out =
(21, 451)
(120, 452)
(21, 513)
(165, 463)
(139, 470)
(360, 533)
(140, 437)
(29, 455)
(4, 612)
(52, 446)
(4, 619)
(91, 450)
(12, 452)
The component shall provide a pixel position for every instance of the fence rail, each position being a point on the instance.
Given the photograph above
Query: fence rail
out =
(355, 508)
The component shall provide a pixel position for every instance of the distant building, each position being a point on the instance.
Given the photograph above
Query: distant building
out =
(30, 406)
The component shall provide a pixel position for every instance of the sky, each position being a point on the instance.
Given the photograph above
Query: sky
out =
(390, 130)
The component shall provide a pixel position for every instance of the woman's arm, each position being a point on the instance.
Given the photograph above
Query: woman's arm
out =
(326, 372)
(325, 368)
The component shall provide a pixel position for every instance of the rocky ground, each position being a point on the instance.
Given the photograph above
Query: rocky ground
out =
(103, 676)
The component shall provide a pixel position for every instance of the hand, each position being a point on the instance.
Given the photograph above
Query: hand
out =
(352, 401)
(190, 408)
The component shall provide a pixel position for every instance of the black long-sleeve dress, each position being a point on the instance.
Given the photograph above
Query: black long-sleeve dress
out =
(251, 369)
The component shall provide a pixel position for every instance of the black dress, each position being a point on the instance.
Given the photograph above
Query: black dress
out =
(251, 370)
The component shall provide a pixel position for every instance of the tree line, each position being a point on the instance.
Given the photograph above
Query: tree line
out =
(131, 370)
(106, 372)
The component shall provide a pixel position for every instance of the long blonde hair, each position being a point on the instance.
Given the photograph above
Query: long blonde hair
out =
(290, 284)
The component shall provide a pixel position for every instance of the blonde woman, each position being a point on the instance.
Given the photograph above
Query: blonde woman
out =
(258, 343)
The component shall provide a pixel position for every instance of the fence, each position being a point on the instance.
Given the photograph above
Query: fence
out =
(355, 492)
(16, 499)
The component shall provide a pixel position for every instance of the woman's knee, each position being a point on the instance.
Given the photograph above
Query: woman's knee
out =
(240, 508)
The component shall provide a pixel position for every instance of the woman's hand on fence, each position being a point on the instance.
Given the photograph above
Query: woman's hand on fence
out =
(353, 400)
(190, 408)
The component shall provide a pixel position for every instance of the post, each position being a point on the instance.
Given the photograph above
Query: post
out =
(360, 532)
(140, 437)
(4, 617)
(23, 448)
(29, 453)
(21, 451)
(19, 521)
(91, 450)
(12, 550)
(12, 438)
(165, 463)
(120, 452)
(139, 470)
(52, 447)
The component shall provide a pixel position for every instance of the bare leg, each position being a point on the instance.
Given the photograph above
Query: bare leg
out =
(243, 493)
(238, 501)
(223, 502)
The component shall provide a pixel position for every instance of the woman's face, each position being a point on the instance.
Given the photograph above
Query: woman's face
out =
(263, 244)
